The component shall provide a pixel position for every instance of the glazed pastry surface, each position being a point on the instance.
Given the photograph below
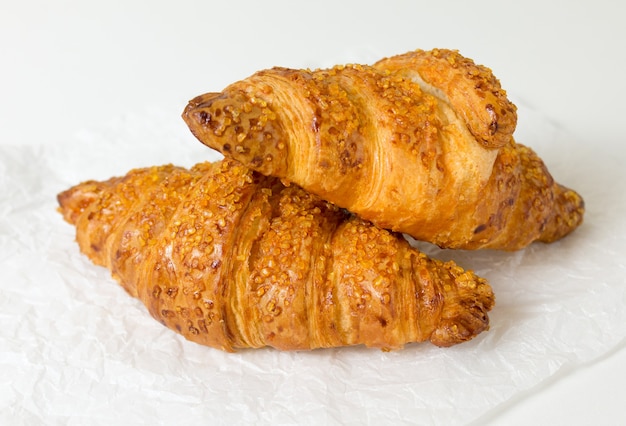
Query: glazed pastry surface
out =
(232, 259)
(420, 143)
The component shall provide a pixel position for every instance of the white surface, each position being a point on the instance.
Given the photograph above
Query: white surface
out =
(71, 71)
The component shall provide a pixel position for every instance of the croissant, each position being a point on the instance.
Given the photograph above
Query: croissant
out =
(420, 143)
(232, 259)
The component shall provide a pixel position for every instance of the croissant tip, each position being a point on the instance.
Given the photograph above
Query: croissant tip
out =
(64, 199)
(463, 327)
(194, 115)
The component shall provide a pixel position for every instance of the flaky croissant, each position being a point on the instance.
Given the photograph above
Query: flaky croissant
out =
(419, 143)
(232, 259)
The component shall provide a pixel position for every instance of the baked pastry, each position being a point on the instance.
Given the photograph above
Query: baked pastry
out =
(232, 259)
(420, 143)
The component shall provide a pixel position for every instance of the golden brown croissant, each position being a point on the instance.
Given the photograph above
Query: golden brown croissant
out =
(232, 259)
(419, 143)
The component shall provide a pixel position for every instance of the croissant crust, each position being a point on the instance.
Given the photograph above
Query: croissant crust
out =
(419, 143)
(232, 259)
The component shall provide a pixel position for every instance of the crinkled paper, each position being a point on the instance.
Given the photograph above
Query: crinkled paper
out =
(76, 349)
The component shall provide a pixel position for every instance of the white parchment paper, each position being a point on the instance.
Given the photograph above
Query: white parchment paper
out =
(76, 349)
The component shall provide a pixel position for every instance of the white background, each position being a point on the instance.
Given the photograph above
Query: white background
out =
(70, 66)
